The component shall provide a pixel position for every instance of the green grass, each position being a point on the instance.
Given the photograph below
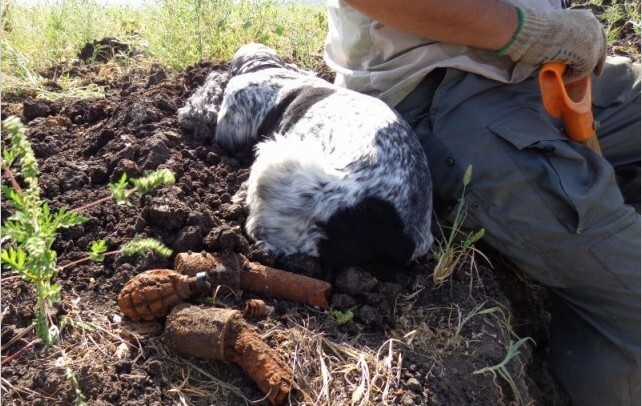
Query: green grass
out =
(453, 248)
(174, 33)
(194, 29)
(501, 370)
(178, 33)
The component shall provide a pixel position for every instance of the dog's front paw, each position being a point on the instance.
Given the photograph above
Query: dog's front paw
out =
(240, 196)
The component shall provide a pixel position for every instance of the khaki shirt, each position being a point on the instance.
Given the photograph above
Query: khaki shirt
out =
(374, 59)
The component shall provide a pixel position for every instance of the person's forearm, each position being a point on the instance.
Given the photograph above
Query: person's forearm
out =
(488, 24)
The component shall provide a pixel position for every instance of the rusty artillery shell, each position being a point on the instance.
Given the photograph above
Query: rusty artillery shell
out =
(199, 332)
(255, 277)
(223, 335)
(302, 289)
(223, 269)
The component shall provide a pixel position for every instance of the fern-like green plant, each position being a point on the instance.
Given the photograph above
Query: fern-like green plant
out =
(137, 246)
(32, 228)
(343, 317)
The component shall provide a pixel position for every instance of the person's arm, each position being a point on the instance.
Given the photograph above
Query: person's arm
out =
(574, 37)
(488, 24)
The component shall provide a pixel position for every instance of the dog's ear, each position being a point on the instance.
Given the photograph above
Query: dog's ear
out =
(253, 57)
(200, 113)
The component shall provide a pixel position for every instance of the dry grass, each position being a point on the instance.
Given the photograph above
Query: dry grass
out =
(340, 372)
(455, 246)
(334, 368)
(90, 343)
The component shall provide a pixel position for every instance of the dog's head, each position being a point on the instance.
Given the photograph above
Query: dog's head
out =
(254, 57)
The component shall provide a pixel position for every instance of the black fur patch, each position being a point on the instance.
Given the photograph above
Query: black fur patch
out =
(367, 233)
(256, 67)
(291, 109)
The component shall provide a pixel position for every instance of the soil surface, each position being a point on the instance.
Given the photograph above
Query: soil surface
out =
(444, 336)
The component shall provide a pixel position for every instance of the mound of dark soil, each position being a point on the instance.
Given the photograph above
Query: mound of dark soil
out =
(82, 145)
(103, 50)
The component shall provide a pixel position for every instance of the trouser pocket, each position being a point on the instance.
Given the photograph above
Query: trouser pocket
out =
(576, 185)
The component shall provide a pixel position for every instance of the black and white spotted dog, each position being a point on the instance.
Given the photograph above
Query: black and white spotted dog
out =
(337, 174)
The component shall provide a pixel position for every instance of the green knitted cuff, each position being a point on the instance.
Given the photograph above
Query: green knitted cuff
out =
(505, 48)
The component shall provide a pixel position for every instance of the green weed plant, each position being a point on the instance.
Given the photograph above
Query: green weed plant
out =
(453, 248)
(343, 317)
(29, 233)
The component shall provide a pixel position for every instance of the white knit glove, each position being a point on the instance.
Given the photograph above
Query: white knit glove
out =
(574, 37)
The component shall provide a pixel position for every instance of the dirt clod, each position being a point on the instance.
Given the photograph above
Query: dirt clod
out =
(103, 50)
(355, 281)
(32, 109)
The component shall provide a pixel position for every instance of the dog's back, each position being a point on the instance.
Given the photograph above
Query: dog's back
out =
(337, 173)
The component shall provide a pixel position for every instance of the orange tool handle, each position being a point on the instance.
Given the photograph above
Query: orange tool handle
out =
(570, 101)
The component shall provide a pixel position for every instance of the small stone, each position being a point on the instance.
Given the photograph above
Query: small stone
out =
(342, 301)
(414, 385)
(355, 280)
(127, 167)
(407, 400)
(368, 315)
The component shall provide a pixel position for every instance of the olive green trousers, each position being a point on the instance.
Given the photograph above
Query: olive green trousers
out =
(562, 213)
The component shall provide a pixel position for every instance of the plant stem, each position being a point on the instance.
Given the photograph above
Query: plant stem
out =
(19, 336)
(87, 259)
(102, 200)
(12, 178)
(8, 278)
(92, 204)
(19, 352)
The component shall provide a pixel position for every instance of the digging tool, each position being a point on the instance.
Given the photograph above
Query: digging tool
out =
(571, 102)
